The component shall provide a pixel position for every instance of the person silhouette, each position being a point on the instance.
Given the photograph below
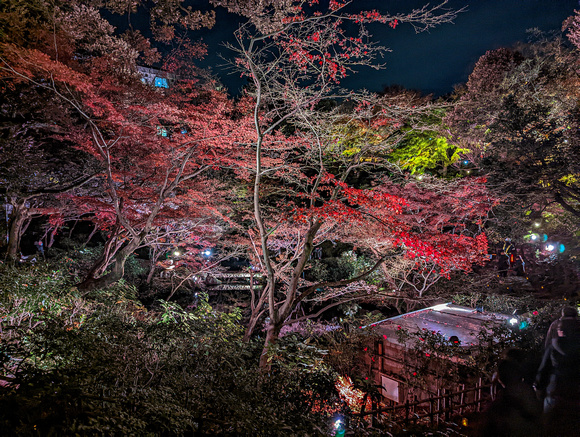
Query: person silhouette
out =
(559, 376)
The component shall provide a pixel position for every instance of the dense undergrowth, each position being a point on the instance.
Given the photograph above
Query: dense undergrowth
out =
(103, 364)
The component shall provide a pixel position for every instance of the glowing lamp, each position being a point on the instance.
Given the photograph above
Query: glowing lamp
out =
(176, 253)
(550, 247)
(207, 252)
(537, 225)
(513, 321)
(534, 237)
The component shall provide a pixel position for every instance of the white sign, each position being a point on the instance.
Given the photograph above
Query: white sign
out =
(390, 388)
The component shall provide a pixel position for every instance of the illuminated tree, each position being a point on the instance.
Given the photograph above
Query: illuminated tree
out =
(518, 117)
(36, 165)
(294, 61)
(156, 151)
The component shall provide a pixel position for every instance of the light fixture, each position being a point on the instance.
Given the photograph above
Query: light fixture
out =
(550, 247)
(513, 321)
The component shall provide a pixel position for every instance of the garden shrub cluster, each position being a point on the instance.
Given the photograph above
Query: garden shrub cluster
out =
(102, 364)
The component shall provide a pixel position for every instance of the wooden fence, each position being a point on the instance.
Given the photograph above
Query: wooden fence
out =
(433, 410)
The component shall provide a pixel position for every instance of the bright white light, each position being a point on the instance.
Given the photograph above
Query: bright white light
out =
(440, 307)
(534, 237)
(537, 225)
(207, 253)
(513, 321)
(176, 253)
(338, 423)
(549, 247)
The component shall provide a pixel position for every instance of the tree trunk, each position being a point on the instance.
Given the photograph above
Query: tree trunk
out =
(272, 335)
(92, 283)
(154, 256)
(254, 317)
(15, 229)
(256, 308)
(93, 232)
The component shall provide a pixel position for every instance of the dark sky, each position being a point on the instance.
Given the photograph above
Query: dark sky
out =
(431, 62)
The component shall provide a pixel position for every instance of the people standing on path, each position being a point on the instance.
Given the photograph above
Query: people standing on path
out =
(559, 378)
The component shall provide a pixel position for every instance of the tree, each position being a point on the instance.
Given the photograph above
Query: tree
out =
(428, 149)
(294, 61)
(518, 117)
(156, 150)
(36, 163)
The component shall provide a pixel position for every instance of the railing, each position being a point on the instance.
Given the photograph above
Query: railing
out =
(433, 410)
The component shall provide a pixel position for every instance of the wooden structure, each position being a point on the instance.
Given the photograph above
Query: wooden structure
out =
(433, 410)
(392, 363)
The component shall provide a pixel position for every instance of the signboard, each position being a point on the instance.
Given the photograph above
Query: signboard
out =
(390, 388)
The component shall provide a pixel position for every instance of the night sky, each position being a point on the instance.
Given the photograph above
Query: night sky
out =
(431, 62)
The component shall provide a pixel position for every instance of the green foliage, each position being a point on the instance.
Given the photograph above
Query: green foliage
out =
(79, 258)
(344, 350)
(347, 266)
(295, 352)
(103, 364)
(354, 265)
(497, 303)
(426, 151)
(319, 270)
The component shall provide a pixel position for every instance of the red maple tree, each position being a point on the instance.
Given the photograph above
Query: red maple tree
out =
(295, 61)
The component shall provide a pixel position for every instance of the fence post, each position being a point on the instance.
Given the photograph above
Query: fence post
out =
(479, 395)
(450, 405)
(438, 404)
(443, 405)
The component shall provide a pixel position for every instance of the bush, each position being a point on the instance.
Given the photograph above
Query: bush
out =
(101, 364)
